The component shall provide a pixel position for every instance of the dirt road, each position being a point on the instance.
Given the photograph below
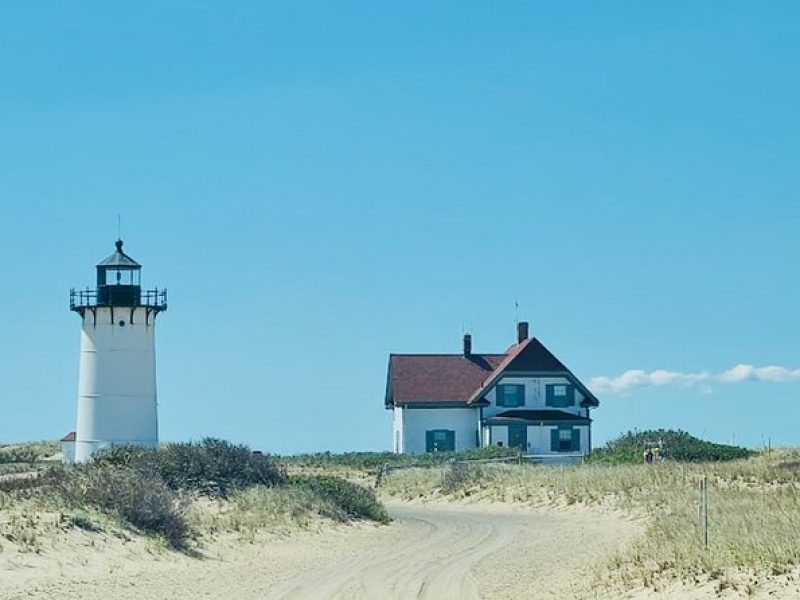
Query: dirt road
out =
(466, 553)
(430, 552)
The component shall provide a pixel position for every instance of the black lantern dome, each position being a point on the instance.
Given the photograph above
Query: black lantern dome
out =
(119, 283)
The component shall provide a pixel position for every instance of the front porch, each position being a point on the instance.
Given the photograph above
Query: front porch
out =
(550, 435)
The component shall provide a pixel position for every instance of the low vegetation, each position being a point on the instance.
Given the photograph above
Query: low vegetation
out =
(345, 500)
(371, 461)
(178, 493)
(211, 467)
(138, 499)
(27, 453)
(22, 458)
(672, 445)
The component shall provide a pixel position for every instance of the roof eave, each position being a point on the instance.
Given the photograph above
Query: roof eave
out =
(448, 403)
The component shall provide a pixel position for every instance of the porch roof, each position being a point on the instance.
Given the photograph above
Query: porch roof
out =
(537, 416)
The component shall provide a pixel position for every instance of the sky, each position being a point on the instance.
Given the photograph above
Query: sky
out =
(320, 184)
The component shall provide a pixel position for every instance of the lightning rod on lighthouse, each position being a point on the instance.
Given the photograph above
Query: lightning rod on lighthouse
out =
(117, 403)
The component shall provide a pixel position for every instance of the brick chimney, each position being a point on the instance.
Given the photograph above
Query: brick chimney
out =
(467, 344)
(522, 331)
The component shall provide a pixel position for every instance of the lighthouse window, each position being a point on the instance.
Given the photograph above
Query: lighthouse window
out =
(122, 323)
(122, 277)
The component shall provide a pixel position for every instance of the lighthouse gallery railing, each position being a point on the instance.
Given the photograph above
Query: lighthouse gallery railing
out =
(87, 298)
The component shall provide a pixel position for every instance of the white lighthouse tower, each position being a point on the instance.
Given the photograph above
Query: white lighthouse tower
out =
(117, 381)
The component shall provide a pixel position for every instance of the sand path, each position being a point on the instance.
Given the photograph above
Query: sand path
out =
(430, 552)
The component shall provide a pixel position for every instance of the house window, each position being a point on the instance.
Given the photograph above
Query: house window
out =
(440, 440)
(510, 395)
(565, 438)
(560, 395)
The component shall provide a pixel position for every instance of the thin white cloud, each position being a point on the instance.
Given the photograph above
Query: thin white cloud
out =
(636, 378)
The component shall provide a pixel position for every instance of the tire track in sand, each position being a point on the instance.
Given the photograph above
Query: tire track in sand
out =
(434, 563)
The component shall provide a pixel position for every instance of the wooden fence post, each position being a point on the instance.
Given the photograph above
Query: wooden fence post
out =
(381, 473)
(704, 509)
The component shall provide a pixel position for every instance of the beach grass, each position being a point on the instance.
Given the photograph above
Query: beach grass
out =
(753, 511)
(177, 494)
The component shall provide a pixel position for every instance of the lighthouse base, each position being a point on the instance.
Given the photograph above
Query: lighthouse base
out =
(84, 451)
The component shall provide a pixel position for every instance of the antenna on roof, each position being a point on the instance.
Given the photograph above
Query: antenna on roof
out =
(516, 312)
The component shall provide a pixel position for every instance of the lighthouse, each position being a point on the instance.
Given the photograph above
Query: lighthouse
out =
(117, 379)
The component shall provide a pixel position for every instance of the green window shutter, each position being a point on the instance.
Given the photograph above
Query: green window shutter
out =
(551, 399)
(510, 395)
(429, 441)
(520, 395)
(570, 398)
(576, 439)
(554, 439)
(560, 401)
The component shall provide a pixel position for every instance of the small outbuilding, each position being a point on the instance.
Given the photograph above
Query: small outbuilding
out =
(68, 448)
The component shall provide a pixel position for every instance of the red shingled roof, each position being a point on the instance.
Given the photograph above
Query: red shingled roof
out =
(70, 437)
(436, 378)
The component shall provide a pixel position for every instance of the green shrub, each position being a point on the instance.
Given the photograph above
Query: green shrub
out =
(674, 445)
(139, 499)
(460, 476)
(81, 520)
(17, 455)
(150, 490)
(211, 467)
(27, 453)
(370, 461)
(347, 500)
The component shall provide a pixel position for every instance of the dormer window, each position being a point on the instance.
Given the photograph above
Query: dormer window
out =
(510, 395)
(560, 395)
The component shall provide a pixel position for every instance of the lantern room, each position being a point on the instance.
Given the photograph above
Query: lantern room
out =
(119, 283)
(119, 280)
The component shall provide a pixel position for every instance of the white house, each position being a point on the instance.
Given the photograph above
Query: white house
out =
(525, 398)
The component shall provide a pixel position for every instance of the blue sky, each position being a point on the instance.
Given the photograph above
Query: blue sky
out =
(319, 184)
